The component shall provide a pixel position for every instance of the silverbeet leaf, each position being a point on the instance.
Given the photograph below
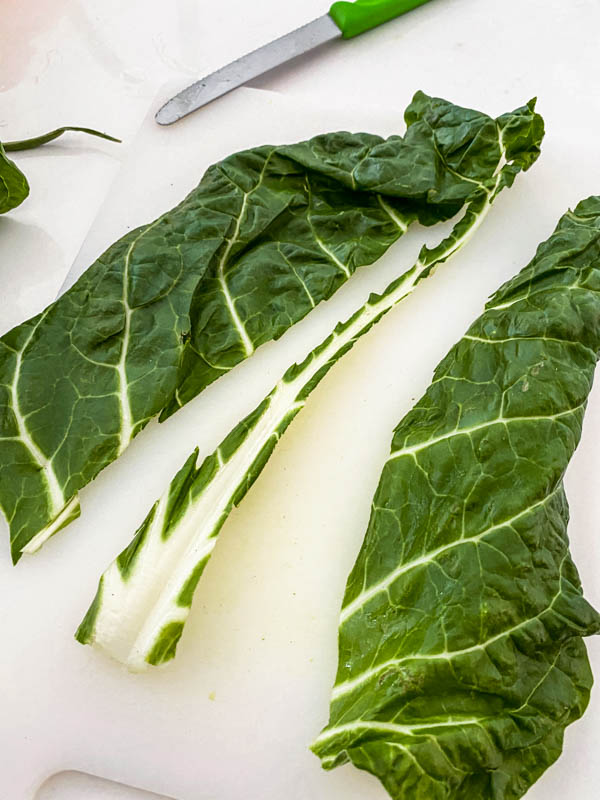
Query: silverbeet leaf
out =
(145, 595)
(14, 187)
(13, 184)
(461, 657)
(267, 235)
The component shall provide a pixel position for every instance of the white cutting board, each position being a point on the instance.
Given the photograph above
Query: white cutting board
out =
(232, 717)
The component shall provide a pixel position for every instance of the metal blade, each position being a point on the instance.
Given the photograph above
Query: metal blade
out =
(247, 67)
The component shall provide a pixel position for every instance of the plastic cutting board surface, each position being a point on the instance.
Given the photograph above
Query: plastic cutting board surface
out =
(232, 717)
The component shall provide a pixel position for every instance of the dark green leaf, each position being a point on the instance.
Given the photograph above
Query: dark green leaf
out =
(13, 184)
(461, 658)
(151, 584)
(268, 234)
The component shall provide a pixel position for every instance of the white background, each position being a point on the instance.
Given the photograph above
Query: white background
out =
(262, 636)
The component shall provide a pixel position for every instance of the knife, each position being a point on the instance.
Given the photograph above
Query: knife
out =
(343, 21)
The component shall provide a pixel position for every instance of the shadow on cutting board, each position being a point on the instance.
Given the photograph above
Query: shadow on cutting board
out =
(81, 786)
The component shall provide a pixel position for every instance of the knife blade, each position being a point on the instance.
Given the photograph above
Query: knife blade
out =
(250, 66)
(344, 20)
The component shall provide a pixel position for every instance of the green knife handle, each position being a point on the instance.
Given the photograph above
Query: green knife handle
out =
(361, 16)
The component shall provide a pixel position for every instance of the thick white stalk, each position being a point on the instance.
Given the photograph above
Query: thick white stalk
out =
(139, 611)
